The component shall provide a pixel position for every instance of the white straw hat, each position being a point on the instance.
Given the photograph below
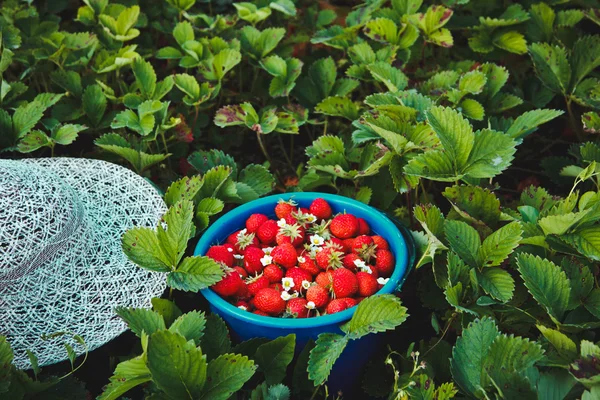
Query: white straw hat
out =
(61, 263)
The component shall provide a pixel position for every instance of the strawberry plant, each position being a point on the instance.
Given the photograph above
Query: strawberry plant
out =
(473, 123)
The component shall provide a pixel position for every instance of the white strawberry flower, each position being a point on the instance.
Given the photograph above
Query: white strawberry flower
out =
(305, 284)
(316, 240)
(266, 260)
(287, 283)
(243, 308)
(301, 259)
(285, 296)
(310, 218)
(268, 250)
(382, 281)
(238, 256)
(310, 305)
(360, 264)
(281, 223)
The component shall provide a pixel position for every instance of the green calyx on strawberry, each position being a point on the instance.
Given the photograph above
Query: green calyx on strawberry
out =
(321, 229)
(285, 208)
(293, 234)
(330, 257)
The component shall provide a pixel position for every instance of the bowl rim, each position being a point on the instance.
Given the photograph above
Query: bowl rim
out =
(377, 218)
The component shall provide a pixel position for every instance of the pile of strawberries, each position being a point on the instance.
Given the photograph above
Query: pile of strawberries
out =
(305, 263)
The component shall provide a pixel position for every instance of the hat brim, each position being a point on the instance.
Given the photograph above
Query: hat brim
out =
(79, 292)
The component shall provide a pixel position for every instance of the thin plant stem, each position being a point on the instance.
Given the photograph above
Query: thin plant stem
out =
(573, 121)
(450, 321)
(285, 154)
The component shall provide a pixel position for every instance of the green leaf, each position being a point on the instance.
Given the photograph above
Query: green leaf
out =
(222, 63)
(258, 178)
(472, 109)
(454, 295)
(260, 43)
(145, 77)
(454, 132)
(492, 153)
(177, 366)
(141, 320)
(472, 82)
(541, 27)
(68, 80)
(226, 375)
(190, 325)
(546, 282)
(565, 347)
(509, 356)
(591, 122)
(251, 13)
(6, 358)
(511, 41)
(328, 348)
(585, 57)
(592, 303)
(338, 107)
(586, 241)
(497, 283)
(496, 77)
(475, 204)
(66, 134)
(375, 314)
(194, 274)
(499, 245)
(230, 116)
(167, 309)
(284, 6)
(391, 77)
(215, 340)
(173, 240)
(323, 73)
(464, 240)
(203, 161)
(185, 188)
(141, 246)
(435, 165)
(32, 141)
(568, 18)
(274, 357)
(94, 103)
(470, 353)
(183, 32)
(552, 66)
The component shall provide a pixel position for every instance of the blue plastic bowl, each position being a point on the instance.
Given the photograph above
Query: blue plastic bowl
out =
(245, 325)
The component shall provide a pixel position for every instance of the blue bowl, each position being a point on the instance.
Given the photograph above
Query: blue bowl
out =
(245, 325)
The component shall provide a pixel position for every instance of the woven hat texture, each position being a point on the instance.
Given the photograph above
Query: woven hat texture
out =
(61, 263)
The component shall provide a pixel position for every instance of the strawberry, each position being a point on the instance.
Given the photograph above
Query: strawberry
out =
(349, 261)
(290, 219)
(320, 209)
(242, 305)
(242, 239)
(367, 284)
(255, 221)
(252, 260)
(221, 254)
(344, 226)
(307, 264)
(350, 302)
(243, 293)
(241, 271)
(293, 234)
(229, 285)
(258, 312)
(324, 279)
(317, 295)
(380, 242)
(336, 243)
(364, 246)
(269, 300)
(298, 275)
(229, 246)
(336, 306)
(267, 231)
(384, 263)
(257, 283)
(277, 286)
(344, 283)
(329, 258)
(273, 273)
(363, 227)
(297, 307)
(285, 255)
(348, 244)
(284, 208)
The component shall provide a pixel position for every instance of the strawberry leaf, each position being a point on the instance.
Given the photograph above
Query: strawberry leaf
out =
(328, 348)
(375, 314)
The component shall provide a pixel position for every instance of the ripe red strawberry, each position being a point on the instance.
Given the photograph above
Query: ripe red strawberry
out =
(297, 307)
(229, 246)
(308, 264)
(285, 255)
(242, 239)
(293, 234)
(348, 244)
(361, 243)
(344, 283)
(298, 275)
(267, 231)
(273, 273)
(335, 306)
(380, 242)
(344, 226)
(269, 301)
(318, 295)
(384, 263)
(303, 210)
(255, 221)
(257, 283)
(243, 305)
(336, 243)
(350, 302)
(324, 279)
(252, 262)
(241, 271)
(349, 260)
(284, 208)
(221, 254)
(320, 209)
(243, 293)
(277, 286)
(329, 258)
(367, 284)
(363, 227)
(258, 312)
(290, 219)
(229, 285)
